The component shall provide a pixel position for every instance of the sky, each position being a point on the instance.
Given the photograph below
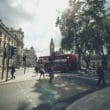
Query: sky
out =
(37, 19)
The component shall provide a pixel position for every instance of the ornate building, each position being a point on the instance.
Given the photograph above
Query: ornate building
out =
(31, 57)
(19, 34)
(52, 47)
(9, 36)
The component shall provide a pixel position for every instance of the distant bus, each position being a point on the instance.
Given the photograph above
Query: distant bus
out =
(61, 63)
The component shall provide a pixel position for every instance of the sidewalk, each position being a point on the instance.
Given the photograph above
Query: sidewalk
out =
(20, 76)
(92, 75)
(99, 100)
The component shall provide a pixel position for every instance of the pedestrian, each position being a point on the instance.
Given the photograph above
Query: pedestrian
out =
(42, 71)
(13, 71)
(101, 76)
(51, 73)
(36, 69)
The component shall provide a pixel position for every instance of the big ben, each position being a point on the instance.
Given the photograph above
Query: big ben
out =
(51, 47)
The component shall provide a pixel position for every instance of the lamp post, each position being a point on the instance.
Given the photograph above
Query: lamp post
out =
(3, 60)
(7, 59)
(24, 63)
(68, 66)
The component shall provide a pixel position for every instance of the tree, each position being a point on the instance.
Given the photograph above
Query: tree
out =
(69, 28)
(84, 28)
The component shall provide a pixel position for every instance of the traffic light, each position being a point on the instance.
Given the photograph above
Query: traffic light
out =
(24, 58)
(13, 51)
(4, 53)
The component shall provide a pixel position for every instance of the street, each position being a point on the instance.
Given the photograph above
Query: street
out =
(55, 55)
(37, 94)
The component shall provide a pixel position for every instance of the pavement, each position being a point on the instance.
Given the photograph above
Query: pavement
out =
(19, 76)
(31, 74)
(99, 100)
(96, 100)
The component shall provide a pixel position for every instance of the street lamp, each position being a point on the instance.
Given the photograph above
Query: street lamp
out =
(24, 63)
(68, 66)
(3, 60)
(7, 59)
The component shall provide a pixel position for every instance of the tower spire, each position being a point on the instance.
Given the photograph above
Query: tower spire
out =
(52, 46)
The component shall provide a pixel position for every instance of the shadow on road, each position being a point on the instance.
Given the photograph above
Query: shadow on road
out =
(63, 92)
(42, 107)
(23, 106)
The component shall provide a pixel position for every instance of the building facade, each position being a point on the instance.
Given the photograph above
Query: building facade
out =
(11, 37)
(19, 34)
(31, 57)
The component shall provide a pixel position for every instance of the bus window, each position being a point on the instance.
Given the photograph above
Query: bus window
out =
(61, 63)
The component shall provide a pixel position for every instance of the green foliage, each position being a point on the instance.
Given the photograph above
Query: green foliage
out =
(85, 26)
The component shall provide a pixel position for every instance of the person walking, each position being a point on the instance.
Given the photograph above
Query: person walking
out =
(51, 73)
(12, 71)
(36, 68)
(101, 76)
(42, 71)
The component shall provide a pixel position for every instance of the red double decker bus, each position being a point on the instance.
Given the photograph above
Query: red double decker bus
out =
(61, 63)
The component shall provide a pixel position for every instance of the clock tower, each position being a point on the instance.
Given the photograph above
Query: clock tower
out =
(51, 47)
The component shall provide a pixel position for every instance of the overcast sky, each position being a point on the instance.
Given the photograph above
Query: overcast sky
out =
(36, 18)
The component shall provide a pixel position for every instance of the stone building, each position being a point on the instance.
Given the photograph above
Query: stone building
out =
(31, 57)
(11, 37)
(19, 34)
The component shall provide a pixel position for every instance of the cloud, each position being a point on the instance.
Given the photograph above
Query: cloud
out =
(36, 18)
(14, 13)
